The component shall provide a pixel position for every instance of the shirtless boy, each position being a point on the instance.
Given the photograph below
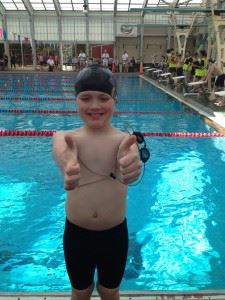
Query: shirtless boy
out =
(97, 161)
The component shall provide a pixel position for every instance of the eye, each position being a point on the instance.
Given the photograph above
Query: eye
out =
(104, 98)
(84, 98)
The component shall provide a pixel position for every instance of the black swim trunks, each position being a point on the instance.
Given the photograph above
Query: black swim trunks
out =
(86, 250)
(220, 81)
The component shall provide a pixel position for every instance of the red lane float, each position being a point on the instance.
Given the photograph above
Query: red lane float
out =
(156, 134)
(35, 99)
(36, 91)
(27, 132)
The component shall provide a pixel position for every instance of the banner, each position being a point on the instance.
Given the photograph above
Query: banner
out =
(126, 30)
(4, 34)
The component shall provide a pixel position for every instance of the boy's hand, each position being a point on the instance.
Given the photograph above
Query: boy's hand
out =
(129, 160)
(72, 168)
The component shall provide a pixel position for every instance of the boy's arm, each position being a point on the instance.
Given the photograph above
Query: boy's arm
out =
(65, 154)
(129, 160)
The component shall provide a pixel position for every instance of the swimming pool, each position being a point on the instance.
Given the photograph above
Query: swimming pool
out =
(176, 215)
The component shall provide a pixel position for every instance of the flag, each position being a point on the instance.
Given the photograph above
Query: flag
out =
(4, 34)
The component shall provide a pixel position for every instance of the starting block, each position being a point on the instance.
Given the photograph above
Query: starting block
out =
(157, 71)
(178, 78)
(199, 83)
(164, 77)
(220, 94)
(149, 71)
(165, 74)
(178, 82)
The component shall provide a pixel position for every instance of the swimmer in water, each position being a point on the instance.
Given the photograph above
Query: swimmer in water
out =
(97, 161)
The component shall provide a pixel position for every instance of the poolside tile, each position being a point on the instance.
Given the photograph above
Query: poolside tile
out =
(150, 296)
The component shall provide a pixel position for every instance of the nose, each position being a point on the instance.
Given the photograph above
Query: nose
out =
(95, 103)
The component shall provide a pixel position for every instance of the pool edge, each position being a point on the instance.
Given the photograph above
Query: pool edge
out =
(212, 118)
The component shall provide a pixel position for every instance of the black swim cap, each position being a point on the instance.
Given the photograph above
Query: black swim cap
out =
(96, 78)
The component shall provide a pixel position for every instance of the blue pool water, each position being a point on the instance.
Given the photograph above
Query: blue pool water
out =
(176, 215)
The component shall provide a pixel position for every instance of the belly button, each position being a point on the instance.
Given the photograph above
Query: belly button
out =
(95, 214)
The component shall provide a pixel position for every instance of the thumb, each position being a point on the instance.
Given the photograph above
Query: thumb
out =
(70, 142)
(125, 145)
(72, 151)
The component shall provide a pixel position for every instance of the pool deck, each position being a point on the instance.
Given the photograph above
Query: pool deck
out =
(212, 114)
(128, 295)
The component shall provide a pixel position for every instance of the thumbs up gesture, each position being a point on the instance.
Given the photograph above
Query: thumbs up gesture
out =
(72, 167)
(129, 160)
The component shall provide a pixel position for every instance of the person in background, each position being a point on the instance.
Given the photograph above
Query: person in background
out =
(117, 64)
(215, 79)
(132, 64)
(201, 68)
(82, 59)
(179, 64)
(13, 60)
(56, 60)
(50, 63)
(187, 66)
(105, 59)
(41, 62)
(125, 62)
(75, 63)
(97, 162)
(162, 63)
(172, 63)
(5, 61)
(195, 64)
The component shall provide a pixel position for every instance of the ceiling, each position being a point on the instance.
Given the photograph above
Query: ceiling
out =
(96, 5)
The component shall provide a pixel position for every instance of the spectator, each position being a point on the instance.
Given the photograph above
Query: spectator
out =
(82, 59)
(132, 64)
(125, 61)
(13, 60)
(50, 63)
(105, 59)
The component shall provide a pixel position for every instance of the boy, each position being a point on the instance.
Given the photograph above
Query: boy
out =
(97, 162)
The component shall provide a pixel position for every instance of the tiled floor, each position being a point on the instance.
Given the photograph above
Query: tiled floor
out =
(211, 295)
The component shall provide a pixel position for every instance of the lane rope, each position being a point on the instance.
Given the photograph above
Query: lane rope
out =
(27, 98)
(147, 134)
(60, 111)
(36, 91)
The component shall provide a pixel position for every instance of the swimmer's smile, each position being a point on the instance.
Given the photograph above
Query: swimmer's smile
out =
(95, 115)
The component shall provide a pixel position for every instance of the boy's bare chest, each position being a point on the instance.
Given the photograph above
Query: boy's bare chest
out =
(99, 155)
